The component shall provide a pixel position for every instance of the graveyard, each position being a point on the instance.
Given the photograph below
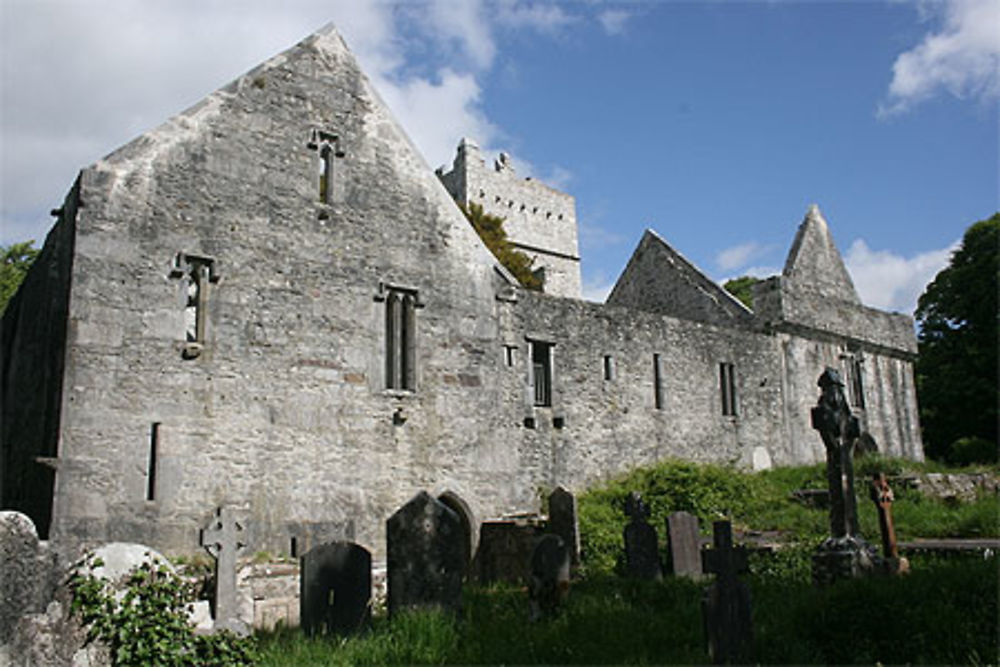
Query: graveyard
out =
(943, 611)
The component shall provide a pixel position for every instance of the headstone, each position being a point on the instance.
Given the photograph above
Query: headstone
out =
(550, 562)
(27, 571)
(881, 494)
(845, 553)
(425, 555)
(505, 548)
(642, 556)
(726, 604)
(563, 521)
(685, 544)
(336, 586)
(225, 538)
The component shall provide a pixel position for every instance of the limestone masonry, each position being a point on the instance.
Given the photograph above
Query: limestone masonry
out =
(270, 302)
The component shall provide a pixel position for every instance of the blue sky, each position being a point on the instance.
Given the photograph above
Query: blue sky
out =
(714, 123)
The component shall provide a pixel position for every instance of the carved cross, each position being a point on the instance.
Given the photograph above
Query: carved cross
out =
(225, 538)
(838, 429)
(882, 496)
(724, 559)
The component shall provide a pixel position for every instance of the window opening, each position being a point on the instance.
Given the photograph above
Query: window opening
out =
(541, 366)
(328, 146)
(154, 444)
(857, 387)
(400, 338)
(657, 382)
(509, 354)
(197, 274)
(609, 367)
(727, 388)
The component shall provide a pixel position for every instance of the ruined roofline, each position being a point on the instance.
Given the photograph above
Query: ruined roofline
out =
(815, 263)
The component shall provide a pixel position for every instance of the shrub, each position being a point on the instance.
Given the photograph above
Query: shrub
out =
(968, 451)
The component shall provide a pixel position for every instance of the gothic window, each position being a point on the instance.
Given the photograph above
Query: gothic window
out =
(327, 145)
(197, 275)
(855, 381)
(727, 388)
(400, 338)
(541, 372)
(657, 382)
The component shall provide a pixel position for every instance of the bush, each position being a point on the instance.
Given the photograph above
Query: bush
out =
(968, 451)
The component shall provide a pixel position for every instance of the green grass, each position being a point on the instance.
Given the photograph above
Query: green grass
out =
(944, 612)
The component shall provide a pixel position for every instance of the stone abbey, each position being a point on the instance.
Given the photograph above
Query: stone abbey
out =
(271, 302)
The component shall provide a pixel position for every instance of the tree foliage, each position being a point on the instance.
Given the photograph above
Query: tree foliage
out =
(491, 231)
(15, 260)
(742, 289)
(957, 366)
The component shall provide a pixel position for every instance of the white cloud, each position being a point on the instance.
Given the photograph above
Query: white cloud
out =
(613, 20)
(538, 16)
(735, 257)
(596, 287)
(888, 281)
(963, 58)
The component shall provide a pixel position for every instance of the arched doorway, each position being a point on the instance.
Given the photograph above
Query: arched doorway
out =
(455, 503)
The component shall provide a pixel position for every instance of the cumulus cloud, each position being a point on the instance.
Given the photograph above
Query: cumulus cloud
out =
(889, 281)
(962, 58)
(613, 20)
(735, 257)
(538, 16)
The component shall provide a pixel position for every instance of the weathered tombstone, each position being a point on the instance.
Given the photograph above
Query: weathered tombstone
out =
(845, 553)
(225, 538)
(726, 604)
(27, 571)
(563, 521)
(550, 562)
(335, 588)
(642, 556)
(505, 548)
(425, 555)
(881, 494)
(685, 544)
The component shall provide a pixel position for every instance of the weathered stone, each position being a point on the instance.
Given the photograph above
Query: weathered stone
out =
(336, 589)
(425, 554)
(642, 551)
(225, 538)
(726, 603)
(563, 521)
(505, 549)
(27, 571)
(685, 544)
(550, 563)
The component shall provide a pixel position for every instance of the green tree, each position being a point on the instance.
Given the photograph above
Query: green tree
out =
(491, 231)
(14, 263)
(957, 366)
(742, 289)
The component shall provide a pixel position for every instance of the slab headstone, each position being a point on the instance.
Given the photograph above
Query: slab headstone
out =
(726, 603)
(642, 555)
(425, 555)
(845, 553)
(225, 539)
(563, 521)
(27, 571)
(685, 544)
(335, 589)
(550, 563)
(505, 548)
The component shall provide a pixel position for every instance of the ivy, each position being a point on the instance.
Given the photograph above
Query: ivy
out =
(148, 625)
(491, 231)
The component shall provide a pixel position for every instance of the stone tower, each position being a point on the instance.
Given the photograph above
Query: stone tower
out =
(539, 220)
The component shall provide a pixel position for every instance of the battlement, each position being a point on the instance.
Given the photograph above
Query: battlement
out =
(539, 220)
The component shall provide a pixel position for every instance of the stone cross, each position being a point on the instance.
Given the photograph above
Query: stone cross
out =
(726, 604)
(642, 557)
(839, 429)
(225, 538)
(882, 496)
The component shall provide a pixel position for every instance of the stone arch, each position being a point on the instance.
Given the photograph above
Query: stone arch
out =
(455, 503)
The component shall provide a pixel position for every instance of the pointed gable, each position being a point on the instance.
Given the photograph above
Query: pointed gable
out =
(660, 279)
(814, 264)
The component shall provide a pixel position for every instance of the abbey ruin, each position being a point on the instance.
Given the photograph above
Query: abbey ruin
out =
(272, 302)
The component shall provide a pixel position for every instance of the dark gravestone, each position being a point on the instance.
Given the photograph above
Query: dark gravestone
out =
(550, 563)
(335, 589)
(426, 555)
(845, 553)
(505, 549)
(642, 556)
(726, 604)
(225, 538)
(563, 521)
(685, 544)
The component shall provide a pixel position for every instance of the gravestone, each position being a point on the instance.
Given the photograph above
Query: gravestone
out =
(642, 556)
(335, 588)
(550, 562)
(845, 553)
(726, 603)
(425, 555)
(225, 538)
(505, 548)
(564, 523)
(28, 571)
(881, 495)
(685, 544)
